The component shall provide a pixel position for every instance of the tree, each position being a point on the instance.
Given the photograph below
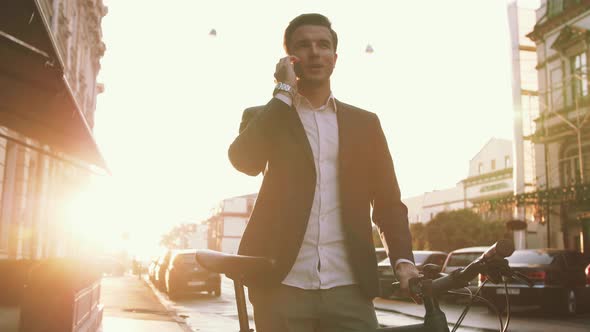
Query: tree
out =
(419, 240)
(452, 230)
(178, 237)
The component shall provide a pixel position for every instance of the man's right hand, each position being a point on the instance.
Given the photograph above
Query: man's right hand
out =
(285, 71)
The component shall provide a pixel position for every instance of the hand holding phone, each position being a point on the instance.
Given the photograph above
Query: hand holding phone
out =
(286, 70)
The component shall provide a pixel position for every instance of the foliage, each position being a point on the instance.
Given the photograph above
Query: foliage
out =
(419, 241)
(450, 230)
(178, 237)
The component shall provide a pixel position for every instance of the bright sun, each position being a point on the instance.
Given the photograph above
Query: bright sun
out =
(107, 218)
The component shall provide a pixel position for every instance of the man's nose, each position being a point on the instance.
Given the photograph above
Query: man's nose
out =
(314, 49)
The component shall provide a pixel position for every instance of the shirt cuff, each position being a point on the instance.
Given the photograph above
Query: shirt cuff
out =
(285, 98)
(402, 260)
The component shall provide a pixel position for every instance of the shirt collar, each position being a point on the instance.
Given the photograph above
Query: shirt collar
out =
(330, 103)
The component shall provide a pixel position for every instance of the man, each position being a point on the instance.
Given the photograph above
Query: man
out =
(325, 163)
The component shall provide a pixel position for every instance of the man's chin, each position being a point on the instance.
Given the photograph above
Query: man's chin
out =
(313, 79)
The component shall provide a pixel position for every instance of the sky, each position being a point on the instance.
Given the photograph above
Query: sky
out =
(439, 79)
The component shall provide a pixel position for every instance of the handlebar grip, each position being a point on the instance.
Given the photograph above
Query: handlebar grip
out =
(500, 249)
(415, 286)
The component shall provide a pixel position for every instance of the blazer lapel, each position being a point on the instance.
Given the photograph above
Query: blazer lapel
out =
(345, 127)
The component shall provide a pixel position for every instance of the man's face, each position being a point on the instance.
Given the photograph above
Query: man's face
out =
(314, 46)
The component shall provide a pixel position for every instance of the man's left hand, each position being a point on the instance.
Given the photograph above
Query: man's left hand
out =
(404, 272)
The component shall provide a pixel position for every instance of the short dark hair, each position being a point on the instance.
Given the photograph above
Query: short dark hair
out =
(309, 19)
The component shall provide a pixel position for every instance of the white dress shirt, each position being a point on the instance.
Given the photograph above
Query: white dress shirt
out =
(322, 261)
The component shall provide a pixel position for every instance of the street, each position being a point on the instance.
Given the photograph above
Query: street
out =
(220, 314)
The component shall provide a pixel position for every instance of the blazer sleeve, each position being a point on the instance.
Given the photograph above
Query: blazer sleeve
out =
(389, 212)
(250, 151)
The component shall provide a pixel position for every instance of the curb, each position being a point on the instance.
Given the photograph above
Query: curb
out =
(169, 308)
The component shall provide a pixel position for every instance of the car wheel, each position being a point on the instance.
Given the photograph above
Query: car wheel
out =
(570, 302)
(217, 290)
(172, 291)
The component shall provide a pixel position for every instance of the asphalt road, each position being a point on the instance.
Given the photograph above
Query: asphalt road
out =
(220, 313)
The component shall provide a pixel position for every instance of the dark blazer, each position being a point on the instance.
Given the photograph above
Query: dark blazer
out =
(272, 140)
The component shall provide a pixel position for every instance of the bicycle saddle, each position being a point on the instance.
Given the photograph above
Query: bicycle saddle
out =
(234, 266)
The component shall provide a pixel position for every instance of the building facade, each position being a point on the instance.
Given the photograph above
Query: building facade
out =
(489, 176)
(562, 136)
(50, 54)
(228, 223)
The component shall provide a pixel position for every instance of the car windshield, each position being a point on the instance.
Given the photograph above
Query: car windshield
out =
(463, 259)
(420, 257)
(381, 254)
(186, 259)
(532, 257)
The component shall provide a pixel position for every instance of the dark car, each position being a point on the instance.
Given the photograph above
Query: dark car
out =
(152, 269)
(421, 258)
(160, 270)
(561, 283)
(184, 275)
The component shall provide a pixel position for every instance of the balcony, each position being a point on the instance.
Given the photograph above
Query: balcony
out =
(556, 13)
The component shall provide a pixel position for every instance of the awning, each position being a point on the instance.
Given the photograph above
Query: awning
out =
(35, 98)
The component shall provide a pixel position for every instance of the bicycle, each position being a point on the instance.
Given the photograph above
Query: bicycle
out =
(429, 286)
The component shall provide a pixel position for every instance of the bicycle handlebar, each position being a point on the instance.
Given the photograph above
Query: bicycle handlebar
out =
(491, 262)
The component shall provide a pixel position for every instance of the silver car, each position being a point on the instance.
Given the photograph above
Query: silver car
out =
(460, 258)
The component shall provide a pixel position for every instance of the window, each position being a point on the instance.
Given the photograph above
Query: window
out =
(556, 7)
(569, 165)
(480, 168)
(493, 164)
(506, 161)
(579, 68)
(462, 259)
(557, 88)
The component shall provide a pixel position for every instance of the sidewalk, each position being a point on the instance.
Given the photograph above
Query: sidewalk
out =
(130, 305)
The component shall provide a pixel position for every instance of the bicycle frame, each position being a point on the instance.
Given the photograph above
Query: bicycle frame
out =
(242, 309)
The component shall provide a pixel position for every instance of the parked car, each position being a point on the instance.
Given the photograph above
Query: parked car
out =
(184, 275)
(381, 254)
(152, 269)
(460, 258)
(160, 269)
(421, 258)
(561, 281)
